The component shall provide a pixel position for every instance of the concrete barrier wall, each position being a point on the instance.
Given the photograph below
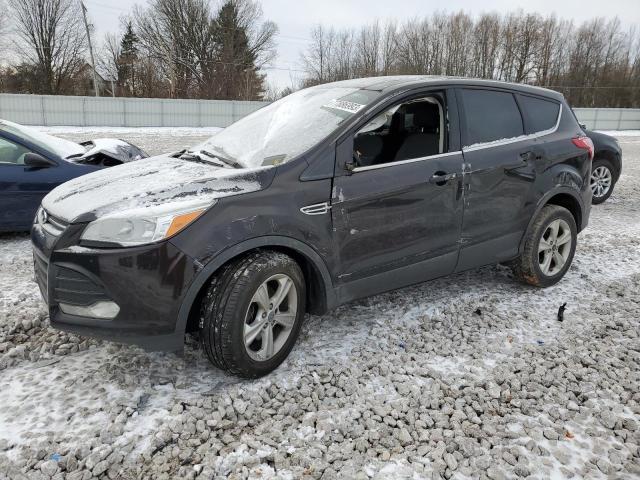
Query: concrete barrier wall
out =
(52, 110)
(609, 118)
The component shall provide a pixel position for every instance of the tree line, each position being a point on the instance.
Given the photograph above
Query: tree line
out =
(594, 64)
(191, 49)
(168, 48)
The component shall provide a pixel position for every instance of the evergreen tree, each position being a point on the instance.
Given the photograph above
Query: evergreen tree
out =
(128, 60)
(236, 70)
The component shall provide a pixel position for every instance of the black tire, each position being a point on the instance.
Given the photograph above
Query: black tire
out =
(527, 267)
(603, 163)
(225, 310)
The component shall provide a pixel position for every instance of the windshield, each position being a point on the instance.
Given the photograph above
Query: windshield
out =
(59, 146)
(287, 128)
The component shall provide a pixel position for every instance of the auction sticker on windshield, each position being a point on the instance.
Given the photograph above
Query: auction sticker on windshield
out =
(344, 105)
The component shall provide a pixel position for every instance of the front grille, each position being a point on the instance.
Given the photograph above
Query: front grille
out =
(52, 225)
(74, 288)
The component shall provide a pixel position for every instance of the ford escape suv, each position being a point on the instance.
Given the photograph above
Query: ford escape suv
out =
(330, 194)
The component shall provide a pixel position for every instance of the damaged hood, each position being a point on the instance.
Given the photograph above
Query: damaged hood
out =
(147, 183)
(111, 147)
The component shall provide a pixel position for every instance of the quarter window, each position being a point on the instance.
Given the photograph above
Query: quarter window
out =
(490, 116)
(541, 114)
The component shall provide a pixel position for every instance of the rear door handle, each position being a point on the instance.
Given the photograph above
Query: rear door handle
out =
(441, 178)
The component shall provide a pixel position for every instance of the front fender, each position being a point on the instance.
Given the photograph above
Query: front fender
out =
(206, 271)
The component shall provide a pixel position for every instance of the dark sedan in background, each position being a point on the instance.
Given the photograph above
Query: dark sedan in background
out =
(607, 165)
(33, 163)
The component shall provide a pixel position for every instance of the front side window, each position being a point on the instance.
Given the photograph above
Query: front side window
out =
(406, 131)
(11, 153)
(289, 127)
(490, 115)
(541, 114)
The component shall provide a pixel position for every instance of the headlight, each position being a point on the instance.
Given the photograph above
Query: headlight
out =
(142, 226)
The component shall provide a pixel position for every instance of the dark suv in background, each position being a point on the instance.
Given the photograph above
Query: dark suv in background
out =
(331, 194)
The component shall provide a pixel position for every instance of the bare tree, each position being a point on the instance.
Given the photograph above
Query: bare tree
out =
(174, 33)
(486, 34)
(207, 54)
(109, 55)
(4, 24)
(368, 42)
(596, 64)
(389, 47)
(317, 58)
(52, 39)
(261, 35)
(4, 27)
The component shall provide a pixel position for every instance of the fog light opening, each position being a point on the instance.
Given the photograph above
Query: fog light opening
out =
(102, 310)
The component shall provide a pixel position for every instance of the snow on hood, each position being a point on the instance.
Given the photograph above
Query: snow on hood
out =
(148, 183)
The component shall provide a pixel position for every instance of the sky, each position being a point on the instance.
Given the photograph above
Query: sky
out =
(295, 18)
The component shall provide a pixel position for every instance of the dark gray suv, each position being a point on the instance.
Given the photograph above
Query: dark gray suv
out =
(333, 193)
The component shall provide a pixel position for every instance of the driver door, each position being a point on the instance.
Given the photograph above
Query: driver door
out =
(397, 215)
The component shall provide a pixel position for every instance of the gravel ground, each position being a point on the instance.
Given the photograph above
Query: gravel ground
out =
(471, 376)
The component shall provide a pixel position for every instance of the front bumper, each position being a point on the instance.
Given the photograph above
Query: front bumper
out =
(147, 283)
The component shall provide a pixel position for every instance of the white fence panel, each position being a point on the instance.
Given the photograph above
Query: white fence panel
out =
(609, 118)
(155, 112)
(220, 114)
(52, 110)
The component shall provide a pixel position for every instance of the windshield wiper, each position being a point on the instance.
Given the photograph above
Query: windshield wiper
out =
(198, 156)
(223, 157)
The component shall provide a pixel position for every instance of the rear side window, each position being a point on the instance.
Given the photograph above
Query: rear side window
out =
(541, 114)
(490, 116)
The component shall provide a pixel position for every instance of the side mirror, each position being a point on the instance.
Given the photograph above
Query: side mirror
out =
(35, 160)
(583, 126)
(351, 166)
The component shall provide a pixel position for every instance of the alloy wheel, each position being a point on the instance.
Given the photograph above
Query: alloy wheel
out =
(270, 317)
(554, 247)
(601, 180)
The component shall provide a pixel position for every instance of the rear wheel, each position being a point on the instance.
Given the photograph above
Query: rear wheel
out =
(601, 180)
(549, 247)
(252, 313)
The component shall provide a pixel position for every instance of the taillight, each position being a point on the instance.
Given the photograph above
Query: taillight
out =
(584, 143)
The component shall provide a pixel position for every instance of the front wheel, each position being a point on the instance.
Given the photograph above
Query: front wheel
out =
(549, 247)
(252, 313)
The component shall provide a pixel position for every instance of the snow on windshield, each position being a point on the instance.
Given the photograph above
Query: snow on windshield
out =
(289, 127)
(61, 147)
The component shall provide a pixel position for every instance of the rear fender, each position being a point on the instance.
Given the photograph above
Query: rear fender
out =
(545, 201)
